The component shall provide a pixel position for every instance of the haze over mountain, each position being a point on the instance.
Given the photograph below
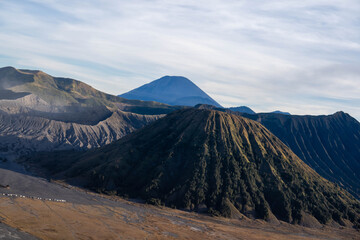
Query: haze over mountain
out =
(173, 90)
(39, 112)
(204, 159)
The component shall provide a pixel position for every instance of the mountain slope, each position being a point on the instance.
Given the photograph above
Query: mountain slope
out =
(39, 112)
(171, 90)
(22, 134)
(329, 144)
(205, 159)
(69, 100)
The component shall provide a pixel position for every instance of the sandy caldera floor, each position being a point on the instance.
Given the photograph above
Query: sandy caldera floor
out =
(128, 220)
(93, 216)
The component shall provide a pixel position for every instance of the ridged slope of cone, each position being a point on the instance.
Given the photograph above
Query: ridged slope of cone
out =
(200, 158)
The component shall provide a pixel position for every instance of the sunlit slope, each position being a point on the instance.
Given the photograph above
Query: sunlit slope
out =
(39, 112)
(329, 144)
(39, 93)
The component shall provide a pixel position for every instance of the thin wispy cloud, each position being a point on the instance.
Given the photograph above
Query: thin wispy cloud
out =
(297, 56)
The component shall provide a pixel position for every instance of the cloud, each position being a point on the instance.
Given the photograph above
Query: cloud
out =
(297, 56)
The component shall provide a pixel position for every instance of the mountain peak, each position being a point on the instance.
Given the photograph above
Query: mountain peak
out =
(242, 109)
(10, 69)
(7, 68)
(340, 113)
(174, 78)
(172, 83)
(173, 90)
(281, 112)
(32, 71)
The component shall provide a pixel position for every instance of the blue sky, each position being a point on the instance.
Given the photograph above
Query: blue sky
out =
(297, 56)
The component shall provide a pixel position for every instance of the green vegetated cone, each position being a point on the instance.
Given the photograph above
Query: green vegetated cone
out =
(227, 165)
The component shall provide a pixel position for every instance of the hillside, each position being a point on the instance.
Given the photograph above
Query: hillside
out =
(23, 134)
(171, 90)
(206, 160)
(64, 99)
(329, 144)
(39, 112)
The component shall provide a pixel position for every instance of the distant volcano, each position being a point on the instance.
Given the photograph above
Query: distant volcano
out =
(172, 90)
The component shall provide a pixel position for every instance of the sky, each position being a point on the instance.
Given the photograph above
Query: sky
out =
(302, 57)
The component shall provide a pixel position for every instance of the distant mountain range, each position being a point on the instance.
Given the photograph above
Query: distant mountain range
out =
(39, 93)
(171, 90)
(244, 109)
(180, 91)
(208, 160)
(39, 112)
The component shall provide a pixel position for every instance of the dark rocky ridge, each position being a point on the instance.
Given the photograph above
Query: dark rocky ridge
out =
(26, 134)
(329, 144)
(195, 159)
